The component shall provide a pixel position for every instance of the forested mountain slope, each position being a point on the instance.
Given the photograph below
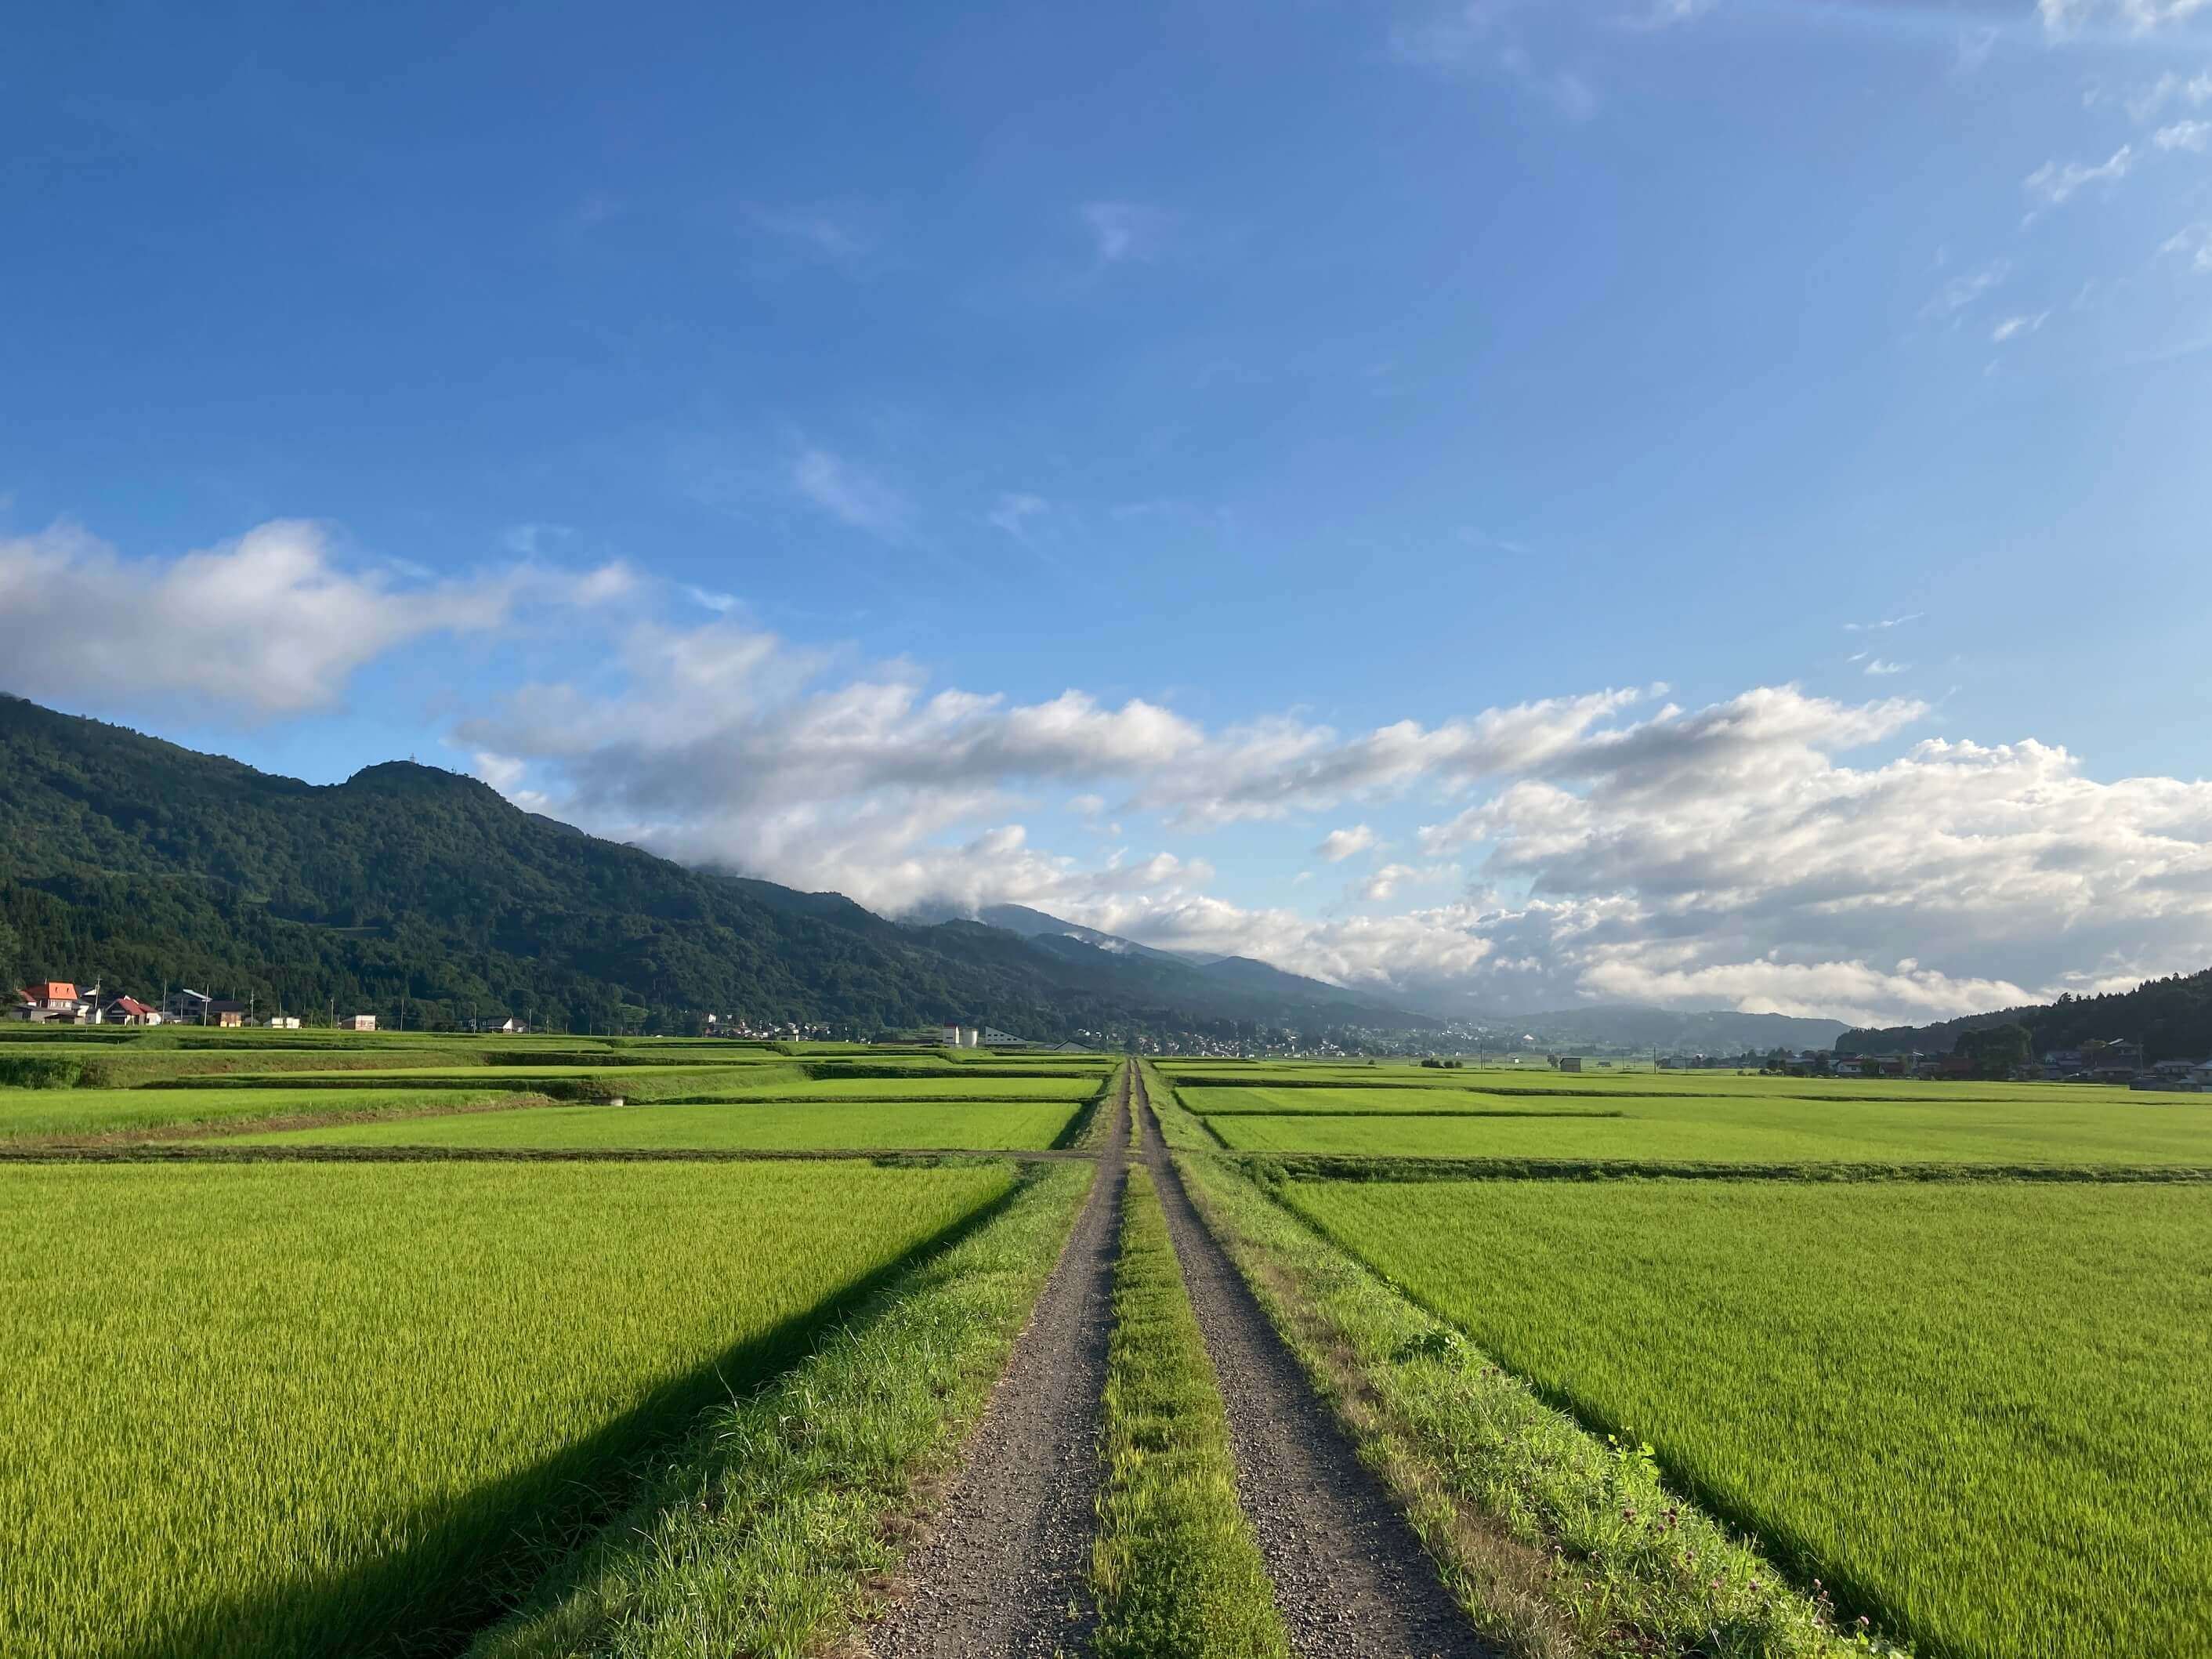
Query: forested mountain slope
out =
(2171, 1017)
(138, 863)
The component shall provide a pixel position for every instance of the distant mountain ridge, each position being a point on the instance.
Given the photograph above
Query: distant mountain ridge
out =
(142, 864)
(2171, 1017)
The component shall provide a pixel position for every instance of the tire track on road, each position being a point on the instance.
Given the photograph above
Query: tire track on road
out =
(1352, 1579)
(1005, 1568)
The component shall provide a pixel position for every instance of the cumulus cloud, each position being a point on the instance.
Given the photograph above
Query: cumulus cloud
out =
(273, 623)
(1610, 844)
(2183, 135)
(1338, 845)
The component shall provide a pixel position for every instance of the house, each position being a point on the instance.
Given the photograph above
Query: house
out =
(358, 1022)
(283, 1022)
(197, 1008)
(129, 1011)
(57, 1002)
(1571, 1062)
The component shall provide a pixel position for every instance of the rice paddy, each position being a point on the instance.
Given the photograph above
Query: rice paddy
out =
(1981, 1411)
(330, 1399)
(821, 1126)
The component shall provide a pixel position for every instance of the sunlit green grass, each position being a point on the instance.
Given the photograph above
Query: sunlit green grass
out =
(1984, 1411)
(827, 1126)
(2119, 1127)
(27, 1114)
(308, 1410)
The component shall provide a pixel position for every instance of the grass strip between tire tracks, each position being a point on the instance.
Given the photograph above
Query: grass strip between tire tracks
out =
(1560, 1544)
(762, 1533)
(1177, 1570)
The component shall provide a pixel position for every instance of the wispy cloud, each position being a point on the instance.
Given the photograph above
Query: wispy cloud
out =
(1467, 38)
(2147, 104)
(2055, 182)
(1124, 230)
(1013, 511)
(2012, 327)
(1881, 667)
(1965, 289)
(1885, 624)
(1666, 13)
(532, 541)
(2194, 244)
(825, 233)
(2183, 135)
(707, 599)
(850, 493)
(2066, 17)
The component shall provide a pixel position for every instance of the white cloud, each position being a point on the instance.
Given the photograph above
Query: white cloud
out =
(1665, 14)
(825, 233)
(1965, 289)
(1338, 845)
(1723, 854)
(1013, 511)
(2064, 17)
(1124, 230)
(850, 493)
(2012, 326)
(2055, 182)
(708, 600)
(1885, 623)
(2194, 244)
(1469, 39)
(270, 623)
(2170, 88)
(1881, 667)
(2183, 135)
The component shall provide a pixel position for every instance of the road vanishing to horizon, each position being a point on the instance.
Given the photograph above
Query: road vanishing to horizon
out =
(1189, 830)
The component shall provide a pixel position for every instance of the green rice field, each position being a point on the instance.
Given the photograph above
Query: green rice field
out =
(2118, 1127)
(1980, 1411)
(305, 1410)
(826, 1126)
(29, 1113)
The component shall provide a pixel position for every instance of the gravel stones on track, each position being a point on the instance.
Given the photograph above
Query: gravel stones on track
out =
(1351, 1579)
(1005, 1568)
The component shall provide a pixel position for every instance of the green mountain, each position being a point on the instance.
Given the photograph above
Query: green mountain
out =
(139, 865)
(2171, 1017)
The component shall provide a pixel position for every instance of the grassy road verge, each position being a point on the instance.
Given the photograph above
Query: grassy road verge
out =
(760, 1535)
(1558, 1543)
(1177, 1570)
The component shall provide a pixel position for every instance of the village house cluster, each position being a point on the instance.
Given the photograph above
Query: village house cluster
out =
(59, 1002)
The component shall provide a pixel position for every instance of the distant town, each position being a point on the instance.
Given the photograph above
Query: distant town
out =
(2117, 1062)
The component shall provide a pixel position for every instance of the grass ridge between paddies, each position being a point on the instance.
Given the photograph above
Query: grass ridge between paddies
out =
(1981, 1411)
(294, 1411)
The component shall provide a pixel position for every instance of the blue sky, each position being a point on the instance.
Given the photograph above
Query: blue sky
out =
(955, 455)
